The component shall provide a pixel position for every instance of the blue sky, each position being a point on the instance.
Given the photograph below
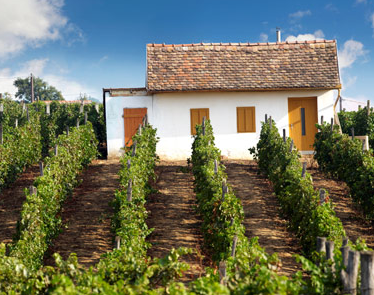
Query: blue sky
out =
(82, 46)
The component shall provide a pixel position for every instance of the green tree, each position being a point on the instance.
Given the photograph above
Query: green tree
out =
(41, 90)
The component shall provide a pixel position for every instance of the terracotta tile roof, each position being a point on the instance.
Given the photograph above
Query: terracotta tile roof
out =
(242, 66)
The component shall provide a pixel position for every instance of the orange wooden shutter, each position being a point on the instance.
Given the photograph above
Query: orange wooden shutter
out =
(246, 119)
(197, 118)
(132, 119)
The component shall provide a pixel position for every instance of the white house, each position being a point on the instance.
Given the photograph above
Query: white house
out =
(234, 85)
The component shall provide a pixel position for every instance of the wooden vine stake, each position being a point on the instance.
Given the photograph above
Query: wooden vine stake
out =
(284, 135)
(27, 114)
(368, 108)
(48, 109)
(321, 119)
(97, 108)
(129, 190)
(140, 129)
(270, 122)
(203, 125)
(81, 108)
(367, 273)
(77, 122)
(225, 189)
(222, 273)
(1, 108)
(56, 150)
(321, 244)
(304, 170)
(85, 118)
(353, 133)
(133, 149)
(67, 130)
(291, 145)
(128, 164)
(332, 124)
(41, 168)
(234, 242)
(322, 196)
(118, 242)
(16, 123)
(266, 118)
(1, 134)
(330, 253)
(363, 145)
(33, 190)
(146, 119)
(349, 276)
(215, 167)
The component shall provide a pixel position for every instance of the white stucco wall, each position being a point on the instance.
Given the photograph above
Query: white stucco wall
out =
(170, 114)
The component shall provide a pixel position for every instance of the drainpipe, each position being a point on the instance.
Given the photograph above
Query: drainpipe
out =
(336, 117)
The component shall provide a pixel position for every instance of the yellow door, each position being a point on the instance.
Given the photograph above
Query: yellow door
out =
(302, 118)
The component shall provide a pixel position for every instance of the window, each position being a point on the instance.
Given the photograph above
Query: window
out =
(246, 119)
(197, 118)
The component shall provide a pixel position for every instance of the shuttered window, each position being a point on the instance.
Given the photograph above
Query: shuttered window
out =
(246, 119)
(197, 118)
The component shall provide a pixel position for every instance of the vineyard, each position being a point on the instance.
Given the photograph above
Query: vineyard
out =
(75, 224)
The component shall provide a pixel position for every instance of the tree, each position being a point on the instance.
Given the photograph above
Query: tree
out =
(41, 90)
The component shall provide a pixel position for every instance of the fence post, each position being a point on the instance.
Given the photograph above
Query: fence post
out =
(118, 242)
(133, 149)
(129, 190)
(215, 167)
(56, 150)
(353, 132)
(222, 273)
(349, 276)
(85, 118)
(304, 170)
(234, 242)
(284, 135)
(41, 168)
(291, 145)
(367, 273)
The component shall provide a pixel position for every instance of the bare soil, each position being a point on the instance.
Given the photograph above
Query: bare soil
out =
(354, 223)
(11, 200)
(173, 217)
(87, 215)
(262, 213)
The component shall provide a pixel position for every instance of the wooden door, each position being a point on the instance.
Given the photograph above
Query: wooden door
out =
(302, 118)
(132, 119)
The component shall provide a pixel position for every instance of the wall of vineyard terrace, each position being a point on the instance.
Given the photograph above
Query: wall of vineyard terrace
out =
(170, 114)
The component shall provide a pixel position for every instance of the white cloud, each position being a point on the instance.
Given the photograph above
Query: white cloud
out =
(350, 52)
(30, 23)
(361, 1)
(299, 14)
(69, 88)
(264, 37)
(317, 35)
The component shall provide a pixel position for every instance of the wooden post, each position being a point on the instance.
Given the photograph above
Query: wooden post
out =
(266, 118)
(345, 251)
(85, 118)
(345, 241)
(349, 276)
(284, 135)
(129, 190)
(203, 125)
(128, 164)
(353, 132)
(146, 119)
(321, 244)
(215, 167)
(304, 170)
(321, 120)
(222, 273)
(233, 248)
(332, 124)
(133, 149)
(32, 88)
(118, 242)
(77, 122)
(41, 168)
(322, 196)
(27, 114)
(368, 108)
(270, 122)
(367, 273)
(56, 150)
(16, 123)
(97, 108)
(67, 130)
(291, 145)
(81, 108)
(140, 129)
(48, 109)
(225, 190)
(33, 190)
(330, 253)
(363, 145)
(1, 108)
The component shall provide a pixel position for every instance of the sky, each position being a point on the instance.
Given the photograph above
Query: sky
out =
(83, 46)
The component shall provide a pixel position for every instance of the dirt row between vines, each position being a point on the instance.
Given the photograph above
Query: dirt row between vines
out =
(173, 217)
(262, 213)
(86, 215)
(354, 223)
(11, 200)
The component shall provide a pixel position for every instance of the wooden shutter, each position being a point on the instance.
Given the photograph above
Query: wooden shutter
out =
(197, 118)
(132, 118)
(246, 119)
